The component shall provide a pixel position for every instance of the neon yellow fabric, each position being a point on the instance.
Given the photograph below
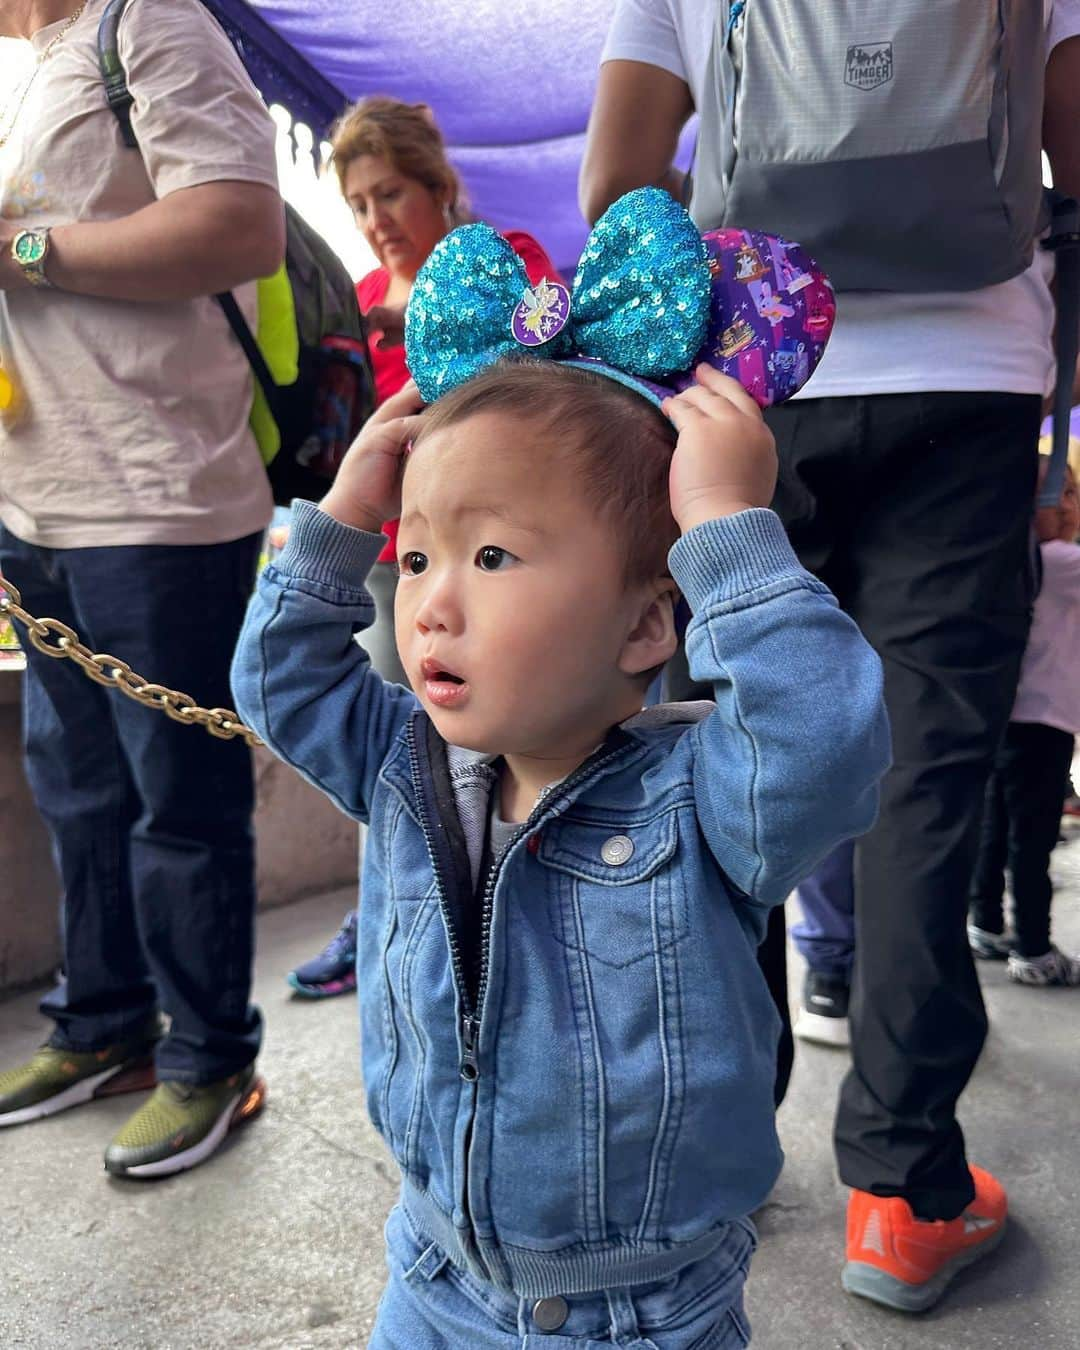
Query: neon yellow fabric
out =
(279, 342)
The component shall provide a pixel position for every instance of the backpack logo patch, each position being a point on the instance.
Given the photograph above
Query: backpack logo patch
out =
(869, 65)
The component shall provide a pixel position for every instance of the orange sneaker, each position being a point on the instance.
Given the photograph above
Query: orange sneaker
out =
(907, 1263)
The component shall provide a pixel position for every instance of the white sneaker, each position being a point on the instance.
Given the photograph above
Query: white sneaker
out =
(1053, 968)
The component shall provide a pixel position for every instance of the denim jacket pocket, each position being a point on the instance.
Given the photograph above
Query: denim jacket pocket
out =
(615, 894)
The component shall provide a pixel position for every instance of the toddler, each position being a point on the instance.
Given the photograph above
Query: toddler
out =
(1022, 810)
(567, 1043)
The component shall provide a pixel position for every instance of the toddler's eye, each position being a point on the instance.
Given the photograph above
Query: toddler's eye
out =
(492, 559)
(412, 564)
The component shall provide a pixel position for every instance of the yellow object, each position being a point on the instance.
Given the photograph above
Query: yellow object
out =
(279, 342)
(10, 400)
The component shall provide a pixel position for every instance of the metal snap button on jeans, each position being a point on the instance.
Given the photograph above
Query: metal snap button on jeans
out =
(617, 850)
(549, 1314)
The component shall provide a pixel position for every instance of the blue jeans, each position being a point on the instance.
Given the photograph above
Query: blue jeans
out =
(150, 820)
(825, 936)
(429, 1304)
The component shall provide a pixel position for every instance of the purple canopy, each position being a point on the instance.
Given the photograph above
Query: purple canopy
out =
(510, 82)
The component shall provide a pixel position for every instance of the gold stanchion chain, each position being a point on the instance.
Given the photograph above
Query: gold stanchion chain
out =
(56, 639)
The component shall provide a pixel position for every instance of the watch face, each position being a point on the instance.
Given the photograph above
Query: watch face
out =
(30, 247)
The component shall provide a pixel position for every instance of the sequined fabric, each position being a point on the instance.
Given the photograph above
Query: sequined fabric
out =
(641, 292)
(458, 319)
(640, 300)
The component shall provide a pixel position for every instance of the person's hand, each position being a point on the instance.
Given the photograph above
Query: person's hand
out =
(725, 458)
(390, 321)
(367, 489)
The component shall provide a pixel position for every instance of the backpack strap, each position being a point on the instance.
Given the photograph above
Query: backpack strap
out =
(256, 360)
(1064, 243)
(112, 69)
(120, 100)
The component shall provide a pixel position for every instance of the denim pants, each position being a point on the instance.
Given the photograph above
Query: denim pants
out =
(429, 1304)
(150, 820)
(825, 935)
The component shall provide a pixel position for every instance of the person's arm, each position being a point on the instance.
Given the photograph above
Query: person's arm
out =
(787, 764)
(1061, 115)
(212, 217)
(633, 133)
(197, 241)
(302, 682)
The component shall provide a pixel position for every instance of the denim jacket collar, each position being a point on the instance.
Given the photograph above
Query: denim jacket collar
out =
(468, 776)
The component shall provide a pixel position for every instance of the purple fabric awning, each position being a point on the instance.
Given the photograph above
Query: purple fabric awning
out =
(511, 83)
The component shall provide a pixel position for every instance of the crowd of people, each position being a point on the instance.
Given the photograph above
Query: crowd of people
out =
(863, 617)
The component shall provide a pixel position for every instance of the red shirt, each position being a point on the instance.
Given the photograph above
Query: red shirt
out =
(389, 366)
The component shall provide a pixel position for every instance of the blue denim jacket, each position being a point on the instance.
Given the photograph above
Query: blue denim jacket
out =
(606, 1111)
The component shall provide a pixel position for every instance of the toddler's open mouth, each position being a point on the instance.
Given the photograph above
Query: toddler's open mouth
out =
(445, 688)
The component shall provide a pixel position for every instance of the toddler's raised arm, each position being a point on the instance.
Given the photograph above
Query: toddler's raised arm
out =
(788, 763)
(302, 681)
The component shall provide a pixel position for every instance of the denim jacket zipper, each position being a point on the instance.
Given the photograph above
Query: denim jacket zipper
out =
(471, 1015)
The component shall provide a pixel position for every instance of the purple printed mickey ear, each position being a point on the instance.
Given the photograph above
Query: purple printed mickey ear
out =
(771, 314)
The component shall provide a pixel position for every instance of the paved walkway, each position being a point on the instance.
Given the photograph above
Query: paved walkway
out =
(276, 1243)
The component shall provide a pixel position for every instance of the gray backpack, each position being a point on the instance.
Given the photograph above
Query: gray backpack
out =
(898, 140)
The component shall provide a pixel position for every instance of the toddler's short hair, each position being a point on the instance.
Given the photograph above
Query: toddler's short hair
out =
(619, 444)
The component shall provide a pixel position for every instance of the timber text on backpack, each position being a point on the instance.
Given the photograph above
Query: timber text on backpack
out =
(314, 386)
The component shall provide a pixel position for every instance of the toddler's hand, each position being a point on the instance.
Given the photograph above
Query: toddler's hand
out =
(367, 489)
(725, 458)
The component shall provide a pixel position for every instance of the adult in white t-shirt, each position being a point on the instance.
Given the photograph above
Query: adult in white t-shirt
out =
(906, 483)
(132, 502)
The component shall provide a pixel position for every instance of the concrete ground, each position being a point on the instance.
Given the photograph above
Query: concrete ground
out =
(276, 1242)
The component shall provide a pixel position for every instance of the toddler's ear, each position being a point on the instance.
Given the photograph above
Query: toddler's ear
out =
(652, 640)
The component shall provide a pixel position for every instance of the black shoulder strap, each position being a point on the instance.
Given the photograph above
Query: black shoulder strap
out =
(120, 101)
(246, 339)
(112, 69)
(1064, 242)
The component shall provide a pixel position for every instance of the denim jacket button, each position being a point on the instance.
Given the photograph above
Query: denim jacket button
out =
(617, 850)
(549, 1314)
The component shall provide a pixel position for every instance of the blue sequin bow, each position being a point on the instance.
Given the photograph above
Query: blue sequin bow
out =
(639, 304)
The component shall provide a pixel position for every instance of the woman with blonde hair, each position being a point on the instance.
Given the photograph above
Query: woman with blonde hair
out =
(405, 196)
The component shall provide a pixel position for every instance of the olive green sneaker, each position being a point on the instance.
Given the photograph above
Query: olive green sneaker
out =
(182, 1124)
(54, 1080)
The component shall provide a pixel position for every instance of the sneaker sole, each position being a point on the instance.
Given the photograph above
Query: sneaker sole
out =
(329, 990)
(131, 1077)
(869, 1282)
(812, 1026)
(988, 953)
(243, 1107)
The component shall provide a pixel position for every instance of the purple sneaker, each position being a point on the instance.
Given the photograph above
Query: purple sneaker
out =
(333, 971)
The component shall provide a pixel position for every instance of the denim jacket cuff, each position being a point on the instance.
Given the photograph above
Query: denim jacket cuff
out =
(323, 550)
(720, 560)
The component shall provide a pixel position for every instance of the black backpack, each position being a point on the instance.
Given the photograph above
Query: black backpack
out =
(318, 415)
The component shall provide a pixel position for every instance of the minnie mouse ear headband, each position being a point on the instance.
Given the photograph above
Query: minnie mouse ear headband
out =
(651, 299)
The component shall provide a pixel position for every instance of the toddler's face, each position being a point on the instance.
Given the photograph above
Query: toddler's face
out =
(511, 612)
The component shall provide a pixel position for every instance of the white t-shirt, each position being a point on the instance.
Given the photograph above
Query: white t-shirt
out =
(135, 429)
(994, 339)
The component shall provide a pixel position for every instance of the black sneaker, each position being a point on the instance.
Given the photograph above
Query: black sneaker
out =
(823, 1017)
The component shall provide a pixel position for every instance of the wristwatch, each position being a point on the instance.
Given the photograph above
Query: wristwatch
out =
(30, 248)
